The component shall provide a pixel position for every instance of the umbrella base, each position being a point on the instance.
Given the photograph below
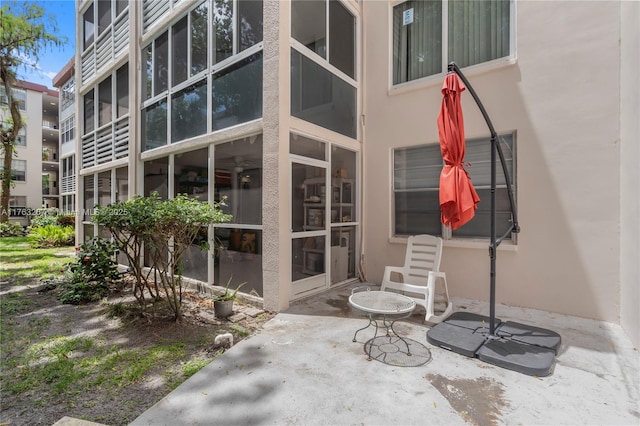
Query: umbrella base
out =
(519, 347)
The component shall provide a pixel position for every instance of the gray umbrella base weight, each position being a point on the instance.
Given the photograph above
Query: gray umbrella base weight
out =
(523, 348)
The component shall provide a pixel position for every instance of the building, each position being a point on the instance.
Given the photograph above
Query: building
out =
(65, 82)
(317, 120)
(37, 150)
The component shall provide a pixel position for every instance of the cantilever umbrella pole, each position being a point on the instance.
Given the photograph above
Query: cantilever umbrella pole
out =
(495, 148)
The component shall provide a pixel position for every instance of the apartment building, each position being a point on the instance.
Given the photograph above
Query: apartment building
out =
(36, 170)
(317, 121)
(65, 82)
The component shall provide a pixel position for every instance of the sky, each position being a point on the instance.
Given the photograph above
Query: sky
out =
(52, 59)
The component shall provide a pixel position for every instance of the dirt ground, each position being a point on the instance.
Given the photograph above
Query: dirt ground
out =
(128, 331)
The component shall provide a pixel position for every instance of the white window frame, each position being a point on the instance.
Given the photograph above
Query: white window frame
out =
(471, 70)
(206, 74)
(324, 62)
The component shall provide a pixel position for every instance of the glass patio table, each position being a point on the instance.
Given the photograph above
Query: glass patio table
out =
(383, 308)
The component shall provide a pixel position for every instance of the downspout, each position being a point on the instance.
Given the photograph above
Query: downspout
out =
(361, 265)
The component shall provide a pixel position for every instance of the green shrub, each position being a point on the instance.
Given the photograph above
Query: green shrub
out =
(66, 220)
(91, 276)
(74, 290)
(11, 229)
(44, 217)
(52, 236)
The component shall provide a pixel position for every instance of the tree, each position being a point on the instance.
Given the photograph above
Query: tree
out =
(25, 32)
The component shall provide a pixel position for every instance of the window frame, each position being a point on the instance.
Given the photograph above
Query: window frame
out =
(324, 62)
(115, 11)
(23, 169)
(193, 78)
(469, 70)
(446, 232)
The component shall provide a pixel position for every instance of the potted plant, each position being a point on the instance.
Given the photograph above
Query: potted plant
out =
(223, 303)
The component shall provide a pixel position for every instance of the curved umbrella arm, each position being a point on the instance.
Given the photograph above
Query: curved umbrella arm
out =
(453, 67)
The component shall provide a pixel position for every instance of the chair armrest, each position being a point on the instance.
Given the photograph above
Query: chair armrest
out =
(386, 278)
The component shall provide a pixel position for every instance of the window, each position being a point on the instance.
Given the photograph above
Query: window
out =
(476, 32)
(104, 15)
(17, 205)
(68, 94)
(177, 107)
(122, 90)
(18, 170)
(199, 31)
(320, 97)
(104, 102)
(67, 129)
(104, 12)
(309, 27)
(21, 140)
(179, 51)
(89, 113)
(19, 96)
(89, 198)
(88, 27)
(416, 181)
(189, 112)
(237, 93)
(320, 92)
(67, 166)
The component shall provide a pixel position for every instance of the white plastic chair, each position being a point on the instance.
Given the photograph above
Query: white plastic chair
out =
(420, 274)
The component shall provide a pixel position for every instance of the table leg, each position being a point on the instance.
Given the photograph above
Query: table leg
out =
(398, 336)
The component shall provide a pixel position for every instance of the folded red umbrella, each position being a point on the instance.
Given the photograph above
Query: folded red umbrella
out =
(458, 198)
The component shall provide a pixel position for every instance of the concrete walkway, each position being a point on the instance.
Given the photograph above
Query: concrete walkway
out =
(303, 368)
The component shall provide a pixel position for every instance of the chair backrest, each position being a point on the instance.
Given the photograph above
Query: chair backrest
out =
(424, 253)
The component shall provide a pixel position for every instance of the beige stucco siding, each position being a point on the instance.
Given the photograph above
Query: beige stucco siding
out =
(561, 96)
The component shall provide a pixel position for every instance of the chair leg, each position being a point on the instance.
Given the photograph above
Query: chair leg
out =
(430, 298)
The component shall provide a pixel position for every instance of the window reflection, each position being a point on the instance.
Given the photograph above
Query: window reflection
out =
(320, 97)
(237, 93)
(154, 131)
(222, 25)
(191, 175)
(179, 51)
(199, 30)
(189, 112)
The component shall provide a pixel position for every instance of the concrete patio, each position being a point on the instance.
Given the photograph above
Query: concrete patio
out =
(303, 368)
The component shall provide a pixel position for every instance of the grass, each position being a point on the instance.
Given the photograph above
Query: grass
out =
(22, 263)
(46, 369)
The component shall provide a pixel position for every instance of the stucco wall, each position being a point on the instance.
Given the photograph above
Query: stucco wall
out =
(32, 153)
(629, 171)
(562, 98)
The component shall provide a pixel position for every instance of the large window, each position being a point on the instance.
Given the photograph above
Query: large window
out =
(309, 27)
(238, 245)
(476, 32)
(237, 93)
(18, 169)
(189, 111)
(323, 65)
(320, 97)
(416, 181)
(176, 82)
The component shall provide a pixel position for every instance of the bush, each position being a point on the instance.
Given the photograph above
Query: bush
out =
(91, 276)
(74, 290)
(11, 229)
(52, 236)
(42, 220)
(66, 220)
